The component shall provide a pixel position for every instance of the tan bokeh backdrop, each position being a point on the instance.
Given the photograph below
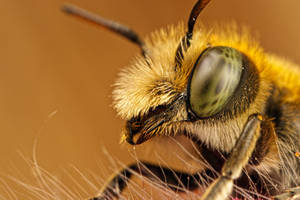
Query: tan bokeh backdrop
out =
(56, 73)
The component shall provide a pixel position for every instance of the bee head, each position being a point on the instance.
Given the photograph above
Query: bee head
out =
(204, 82)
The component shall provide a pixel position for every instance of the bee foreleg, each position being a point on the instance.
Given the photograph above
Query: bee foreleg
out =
(221, 188)
(290, 194)
(171, 179)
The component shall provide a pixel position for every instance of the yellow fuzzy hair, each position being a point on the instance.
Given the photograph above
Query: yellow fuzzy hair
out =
(152, 82)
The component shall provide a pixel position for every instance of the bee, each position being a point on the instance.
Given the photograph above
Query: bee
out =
(217, 87)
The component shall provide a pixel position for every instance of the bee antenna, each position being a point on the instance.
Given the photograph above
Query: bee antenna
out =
(185, 41)
(105, 23)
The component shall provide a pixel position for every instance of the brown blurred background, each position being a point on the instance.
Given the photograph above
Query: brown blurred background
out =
(56, 74)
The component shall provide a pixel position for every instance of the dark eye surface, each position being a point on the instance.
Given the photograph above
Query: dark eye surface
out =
(214, 79)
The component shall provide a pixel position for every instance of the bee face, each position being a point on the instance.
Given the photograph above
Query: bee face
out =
(211, 95)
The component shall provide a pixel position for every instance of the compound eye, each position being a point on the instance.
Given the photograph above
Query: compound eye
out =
(214, 79)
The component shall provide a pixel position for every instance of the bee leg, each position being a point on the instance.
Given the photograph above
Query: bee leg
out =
(221, 188)
(174, 180)
(290, 194)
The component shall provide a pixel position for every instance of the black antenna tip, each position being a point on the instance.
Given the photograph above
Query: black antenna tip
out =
(67, 8)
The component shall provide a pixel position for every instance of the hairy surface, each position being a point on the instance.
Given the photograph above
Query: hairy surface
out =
(148, 83)
(152, 83)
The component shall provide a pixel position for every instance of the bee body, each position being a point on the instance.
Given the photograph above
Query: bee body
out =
(239, 105)
(146, 85)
